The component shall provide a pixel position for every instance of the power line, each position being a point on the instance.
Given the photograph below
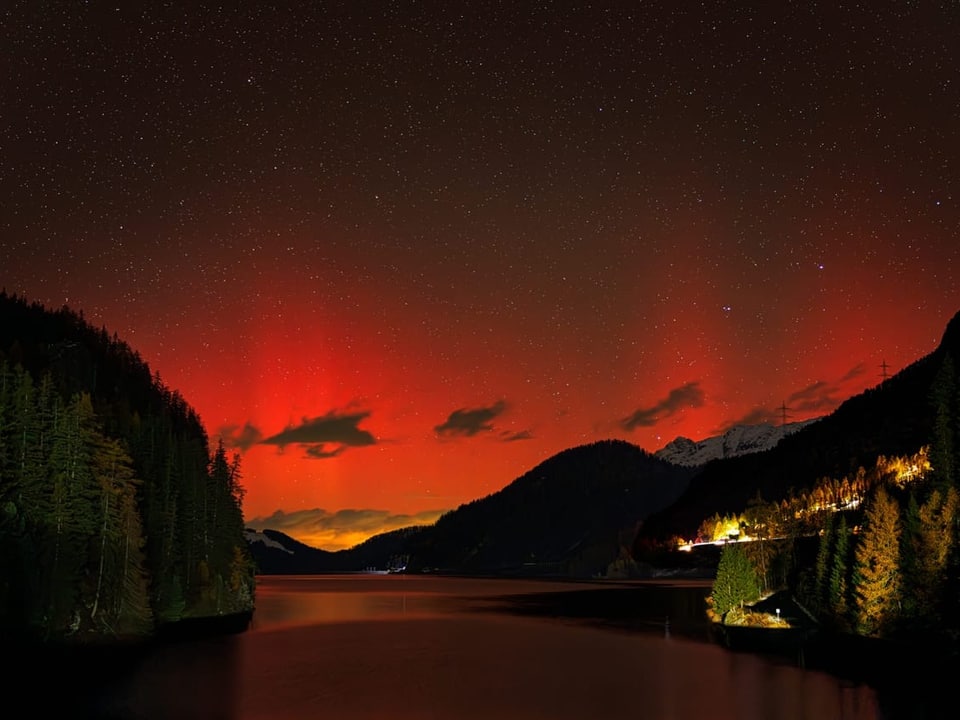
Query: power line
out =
(883, 369)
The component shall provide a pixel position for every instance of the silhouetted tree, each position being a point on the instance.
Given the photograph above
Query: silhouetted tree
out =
(121, 602)
(838, 588)
(934, 539)
(943, 448)
(825, 546)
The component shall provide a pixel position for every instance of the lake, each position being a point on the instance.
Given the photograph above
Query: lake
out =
(416, 647)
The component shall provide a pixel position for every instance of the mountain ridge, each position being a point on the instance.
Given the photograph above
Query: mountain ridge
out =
(740, 439)
(509, 531)
(892, 418)
(565, 516)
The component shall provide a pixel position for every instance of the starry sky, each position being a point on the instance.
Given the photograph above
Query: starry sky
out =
(396, 254)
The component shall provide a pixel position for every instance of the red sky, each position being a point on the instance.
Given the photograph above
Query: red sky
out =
(397, 261)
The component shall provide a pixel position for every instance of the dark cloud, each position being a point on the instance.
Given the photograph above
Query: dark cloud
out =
(685, 396)
(243, 438)
(506, 436)
(464, 422)
(330, 428)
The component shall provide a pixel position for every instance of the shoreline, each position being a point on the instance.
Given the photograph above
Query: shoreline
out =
(190, 628)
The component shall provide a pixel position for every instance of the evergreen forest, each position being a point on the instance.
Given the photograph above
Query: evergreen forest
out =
(876, 554)
(117, 517)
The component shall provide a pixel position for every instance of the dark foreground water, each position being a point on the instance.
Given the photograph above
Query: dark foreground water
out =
(395, 646)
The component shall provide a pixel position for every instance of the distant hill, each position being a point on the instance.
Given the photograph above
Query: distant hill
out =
(738, 440)
(566, 516)
(894, 418)
(570, 515)
(563, 517)
(276, 553)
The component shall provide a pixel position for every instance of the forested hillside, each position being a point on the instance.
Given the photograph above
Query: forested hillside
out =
(871, 552)
(573, 514)
(117, 518)
(893, 419)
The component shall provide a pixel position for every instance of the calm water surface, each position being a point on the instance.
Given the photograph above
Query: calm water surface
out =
(394, 646)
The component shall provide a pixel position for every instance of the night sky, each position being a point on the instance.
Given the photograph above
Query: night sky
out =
(398, 253)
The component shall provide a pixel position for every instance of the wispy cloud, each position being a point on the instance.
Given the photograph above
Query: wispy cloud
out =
(240, 437)
(813, 397)
(342, 529)
(689, 395)
(468, 422)
(854, 372)
(507, 436)
(818, 398)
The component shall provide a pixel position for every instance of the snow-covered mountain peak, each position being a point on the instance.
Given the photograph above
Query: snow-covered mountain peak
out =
(253, 536)
(738, 440)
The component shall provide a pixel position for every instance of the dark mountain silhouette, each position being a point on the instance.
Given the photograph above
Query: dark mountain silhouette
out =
(276, 553)
(564, 517)
(570, 515)
(894, 418)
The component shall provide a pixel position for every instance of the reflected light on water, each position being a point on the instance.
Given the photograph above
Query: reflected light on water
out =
(382, 648)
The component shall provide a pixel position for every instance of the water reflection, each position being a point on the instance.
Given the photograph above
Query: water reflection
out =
(285, 601)
(403, 647)
(198, 679)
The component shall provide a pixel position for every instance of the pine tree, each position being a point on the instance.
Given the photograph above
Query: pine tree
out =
(27, 414)
(877, 584)
(943, 448)
(32, 426)
(228, 548)
(159, 459)
(193, 533)
(8, 477)
(822, 565)
(736, 580)
(760, 516)
(935, 540)
(121, 603)
(910, 557)
(72, 521)
(14, 595)
(837, 602)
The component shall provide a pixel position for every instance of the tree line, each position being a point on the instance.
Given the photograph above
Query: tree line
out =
(883, 559)
(116, 516)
